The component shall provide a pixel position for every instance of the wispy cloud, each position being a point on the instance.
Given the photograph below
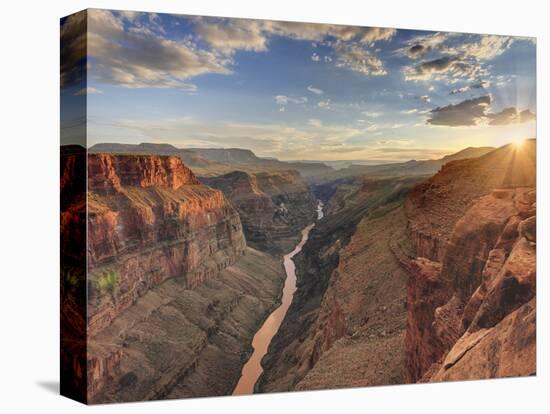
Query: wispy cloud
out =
(372, 114)
(285, 100)
(482, 84)
(324, 104)
(358, 59)
(314, 90)
(87, 91)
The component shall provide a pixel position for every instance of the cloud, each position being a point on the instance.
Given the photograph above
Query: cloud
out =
(375, 34)
(446, 67)
(318, 32)
(416, 51)
(314, 90)
(284, 100)
(324, 104)
(404, 142)
(129, 15)
(483, 84)
(481, 47)
(472, 112)
(131, 49)
(452, 55)
(487, 47)
(87, 91)
(419, 46)
(511, 116)
(73, 49)
(315, 122)
(465, 113)
(142, 58)
(372, 114)
(228, 35)
(342, 149)
(358, 59)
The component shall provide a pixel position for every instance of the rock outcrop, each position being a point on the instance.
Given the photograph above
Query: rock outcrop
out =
(274, 206)
(472, 280)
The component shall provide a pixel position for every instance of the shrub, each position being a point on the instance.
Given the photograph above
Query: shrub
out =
(108, 281)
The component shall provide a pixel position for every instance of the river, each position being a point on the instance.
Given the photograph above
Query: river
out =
(260, 343)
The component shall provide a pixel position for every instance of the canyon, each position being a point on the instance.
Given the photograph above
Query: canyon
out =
(175, 294)
(423, 274)
(427, 280)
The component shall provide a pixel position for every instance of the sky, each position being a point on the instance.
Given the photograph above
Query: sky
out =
(294, 91)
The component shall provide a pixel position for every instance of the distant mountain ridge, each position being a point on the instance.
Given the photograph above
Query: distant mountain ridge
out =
(215, 161)
(211, 157)
(411, 167)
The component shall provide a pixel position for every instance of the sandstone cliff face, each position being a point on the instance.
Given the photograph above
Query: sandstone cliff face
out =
(108, 172)
(149, 220)
(274, 206)
(472, 227)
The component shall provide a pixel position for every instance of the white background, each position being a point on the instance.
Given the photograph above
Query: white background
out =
(29, 192)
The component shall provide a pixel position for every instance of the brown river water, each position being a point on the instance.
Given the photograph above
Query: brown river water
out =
(260, 343)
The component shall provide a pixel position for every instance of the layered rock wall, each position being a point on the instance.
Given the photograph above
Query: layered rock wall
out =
(149, 219)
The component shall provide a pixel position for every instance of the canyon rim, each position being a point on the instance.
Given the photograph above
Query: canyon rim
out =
(252, 206)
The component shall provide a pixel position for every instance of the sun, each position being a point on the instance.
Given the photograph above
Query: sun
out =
(518, 142)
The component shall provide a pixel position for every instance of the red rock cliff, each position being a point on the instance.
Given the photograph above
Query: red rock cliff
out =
(149, 220)
(472, 226)
(112, 172)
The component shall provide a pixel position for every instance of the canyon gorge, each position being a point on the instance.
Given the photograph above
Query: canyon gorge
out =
(421, 271)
